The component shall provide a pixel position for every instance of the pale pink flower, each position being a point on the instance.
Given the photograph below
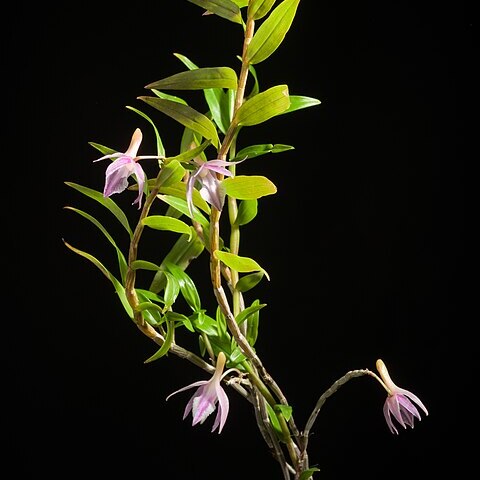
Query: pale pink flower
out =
(210, 188)
(117, 173)
(400, 403)
(208, 394)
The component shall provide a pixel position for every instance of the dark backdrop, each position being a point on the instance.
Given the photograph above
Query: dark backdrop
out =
(364, 241)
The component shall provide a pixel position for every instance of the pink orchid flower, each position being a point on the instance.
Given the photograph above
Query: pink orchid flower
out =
(400, 403)
(117, 173)
(208, 394)
(210, 189)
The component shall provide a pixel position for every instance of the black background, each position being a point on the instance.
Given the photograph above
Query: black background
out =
(364, 241)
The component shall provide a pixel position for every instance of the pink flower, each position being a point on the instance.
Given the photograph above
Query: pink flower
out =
(400, 403)
(117, 173)
(210, 188)
(204, 400)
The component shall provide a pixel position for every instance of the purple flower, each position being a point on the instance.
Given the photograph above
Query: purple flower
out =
(400, 403)
(210, 189)
(204, 400)
(117, 173)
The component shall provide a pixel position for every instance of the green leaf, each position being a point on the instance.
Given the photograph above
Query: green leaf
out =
(160, 147)
(259, 8)
(166, 96)
(257, 150)
(298, 102)
(119, 288)
(181, 254)
(144, 265)
(107, 202)
(187, 286)
(308, 473)
(172, 289)
(122, 263)
(219, 102)
(189, 154)
(171, 173)
(204, 323)
(180, 190)
(166, 344)
(247, 282)
(252, 325)
(244, 314)
(285, 410)
(181, 205)
(161, 222)
(248, 187)
(198, 79)
(185, 115)
(274, 420)
(247, 211)
(241, 3)
(262, 107)
(238, 263)
(272, 31)
(223, 8)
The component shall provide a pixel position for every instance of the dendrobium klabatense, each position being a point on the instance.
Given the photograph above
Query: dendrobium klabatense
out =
(399, 403)
(204, 400)
(124, 165)
(210, 189)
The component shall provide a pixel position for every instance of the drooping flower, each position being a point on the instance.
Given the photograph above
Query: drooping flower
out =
(400, 403)
(208, 394)
(117, 173)
(210, 185)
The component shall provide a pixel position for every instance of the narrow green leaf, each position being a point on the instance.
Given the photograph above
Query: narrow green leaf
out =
(244, 314)
(253, 151)
(166, 96)
(189, 154)
(187, 286)
(223, 8)
(198, 79)
(272, 31)
(148, 306)
(247, 211)
(171, 173)
(122, 262)
(252, 325)
(185, 115)
(248, 187)
(160, 147)
(180, 190)
(274, 420)
(107, 202)
(262, 107)
(161, 222)
(119, 288)
(204, 323)
(285, 410)
(166, 345)
(181, 205)
(241, 3)
(238, 263)
(298, 102)
(259, 8)
(308, 473)
(247, 282)
(172, 289)
(144, 265)
(219, 102)
(181, 254)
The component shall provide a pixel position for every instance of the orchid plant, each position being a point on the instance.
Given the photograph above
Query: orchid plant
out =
(192, 189)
